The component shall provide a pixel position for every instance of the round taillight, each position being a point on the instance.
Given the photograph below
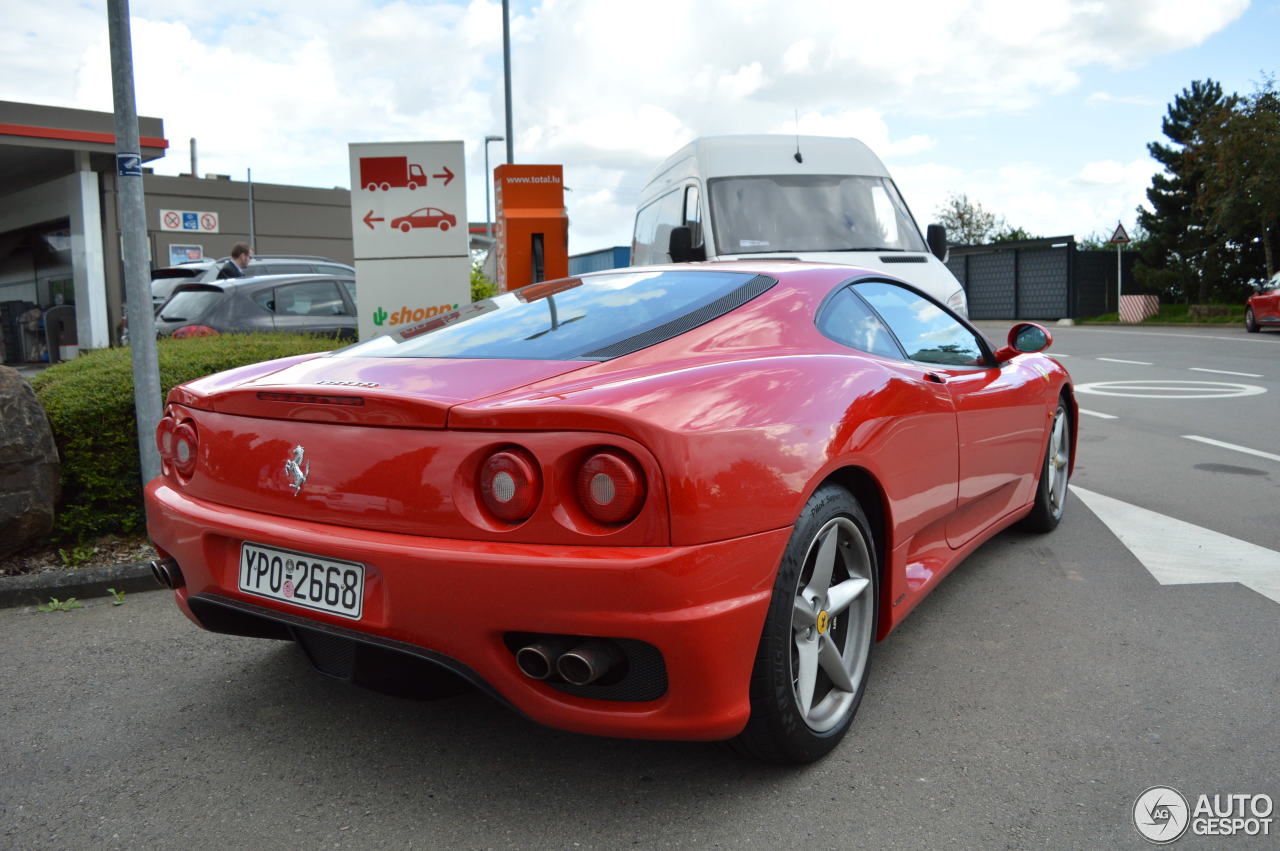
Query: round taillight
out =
(510, 484)
(611, 487)
(184, 449)
(164, 437)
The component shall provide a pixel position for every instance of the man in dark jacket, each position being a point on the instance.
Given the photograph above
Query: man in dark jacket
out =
(240, 257)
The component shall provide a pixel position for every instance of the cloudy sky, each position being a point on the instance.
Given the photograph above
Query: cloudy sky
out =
(1041, 111)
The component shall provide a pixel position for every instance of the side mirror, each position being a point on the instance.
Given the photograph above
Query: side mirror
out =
(1025, 338)
(936, 236)
(680, 247)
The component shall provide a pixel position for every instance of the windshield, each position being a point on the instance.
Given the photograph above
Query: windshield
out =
(189, 305)
(811, 212)
(596, 317)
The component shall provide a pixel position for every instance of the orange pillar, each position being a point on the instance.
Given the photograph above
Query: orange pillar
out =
(532, 225)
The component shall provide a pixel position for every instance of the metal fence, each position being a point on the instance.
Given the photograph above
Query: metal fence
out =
(1037, 279)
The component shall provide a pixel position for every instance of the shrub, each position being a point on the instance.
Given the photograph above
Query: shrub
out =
(89, 402)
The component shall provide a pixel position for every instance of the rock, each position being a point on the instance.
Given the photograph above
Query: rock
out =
(28, 466)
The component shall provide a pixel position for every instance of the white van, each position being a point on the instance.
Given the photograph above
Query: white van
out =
(808, 198)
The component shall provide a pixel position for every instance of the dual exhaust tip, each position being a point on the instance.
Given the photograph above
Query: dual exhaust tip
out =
(575, 661)
(167, 573)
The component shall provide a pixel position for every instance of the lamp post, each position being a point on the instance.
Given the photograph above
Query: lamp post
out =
(488, 220)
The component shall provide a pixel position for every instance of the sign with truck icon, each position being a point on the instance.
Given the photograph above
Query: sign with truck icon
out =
(386, 173)
(409, 229)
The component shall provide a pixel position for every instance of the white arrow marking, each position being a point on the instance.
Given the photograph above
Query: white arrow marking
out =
(1179, 553)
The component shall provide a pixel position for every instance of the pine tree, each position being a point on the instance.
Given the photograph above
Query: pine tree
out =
(1183, 255)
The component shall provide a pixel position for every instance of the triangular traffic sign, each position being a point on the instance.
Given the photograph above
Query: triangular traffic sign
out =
(1119, 235)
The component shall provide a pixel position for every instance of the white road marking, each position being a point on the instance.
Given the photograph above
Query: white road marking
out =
(1057, 355)
(1180, 553)
(1099, 414)
(1245, 449)
(1225, 372)
(1189, 335)
(1170, 389)
(1117, 360)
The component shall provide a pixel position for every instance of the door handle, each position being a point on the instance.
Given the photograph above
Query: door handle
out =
(935, 378)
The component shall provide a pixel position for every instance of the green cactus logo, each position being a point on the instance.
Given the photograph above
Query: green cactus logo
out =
(379, 316)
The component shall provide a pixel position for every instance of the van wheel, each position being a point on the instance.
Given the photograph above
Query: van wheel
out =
(815, 651)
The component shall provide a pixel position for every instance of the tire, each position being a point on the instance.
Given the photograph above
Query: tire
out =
(444, 226)
(386, 187)
(1250, 324)
(412, 185)
(405, 227)
(812, 636)
(1051, 491)
(372, 187)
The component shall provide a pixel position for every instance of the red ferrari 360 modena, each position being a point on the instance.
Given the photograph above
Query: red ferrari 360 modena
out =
(674, 502)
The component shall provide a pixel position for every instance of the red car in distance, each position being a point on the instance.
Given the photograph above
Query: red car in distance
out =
(427, 217)
(1263, 307)
(676, 502)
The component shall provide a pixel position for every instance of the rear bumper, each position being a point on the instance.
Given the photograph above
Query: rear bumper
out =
(453, 601)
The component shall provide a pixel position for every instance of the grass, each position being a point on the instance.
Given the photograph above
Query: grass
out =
(1232, 314)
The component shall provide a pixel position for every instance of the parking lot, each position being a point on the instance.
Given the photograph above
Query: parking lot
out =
(1027, 701)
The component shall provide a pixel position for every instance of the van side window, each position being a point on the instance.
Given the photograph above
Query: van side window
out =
(653, 228)
(692, 214)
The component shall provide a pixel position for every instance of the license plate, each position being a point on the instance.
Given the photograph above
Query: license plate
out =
(302, 579)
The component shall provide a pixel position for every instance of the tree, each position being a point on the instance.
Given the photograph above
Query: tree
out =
(1009, 233)
(1239, 160)
(1183, 252)
(967, 223)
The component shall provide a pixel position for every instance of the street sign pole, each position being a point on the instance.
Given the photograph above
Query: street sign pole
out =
(133, 226)
(1118, 238)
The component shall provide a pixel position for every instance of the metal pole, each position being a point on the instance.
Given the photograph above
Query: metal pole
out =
(194, 173)
(133, 226)
(1117, 281)
(253, 243)
(488, 219)
(506, 66)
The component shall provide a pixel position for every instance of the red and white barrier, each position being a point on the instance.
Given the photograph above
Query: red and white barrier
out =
(1135, 308)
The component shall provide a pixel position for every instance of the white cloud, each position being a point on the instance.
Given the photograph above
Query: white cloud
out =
(1097, 98)
(608, 88)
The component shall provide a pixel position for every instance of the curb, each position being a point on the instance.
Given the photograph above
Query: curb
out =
(35, 588)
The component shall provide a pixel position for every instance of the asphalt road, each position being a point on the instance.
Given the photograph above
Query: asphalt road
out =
(1026, 703)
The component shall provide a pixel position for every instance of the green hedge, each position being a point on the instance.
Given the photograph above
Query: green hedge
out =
(89, 402)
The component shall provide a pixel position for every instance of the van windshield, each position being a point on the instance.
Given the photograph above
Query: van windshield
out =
(810, 212)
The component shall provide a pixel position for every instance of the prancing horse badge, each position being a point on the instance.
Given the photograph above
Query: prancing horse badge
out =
(297, 468)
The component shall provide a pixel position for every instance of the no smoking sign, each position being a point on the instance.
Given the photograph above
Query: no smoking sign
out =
(189, 221)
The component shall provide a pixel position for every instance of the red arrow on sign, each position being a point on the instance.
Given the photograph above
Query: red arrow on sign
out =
(370, 218)
(448, 175)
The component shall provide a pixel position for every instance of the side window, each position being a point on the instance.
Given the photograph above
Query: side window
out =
(266, 299)
(350, 286)
(310, 298)
(847, 319)
(927, 332)
(653, 229)
(692, 214)
(332, 269)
